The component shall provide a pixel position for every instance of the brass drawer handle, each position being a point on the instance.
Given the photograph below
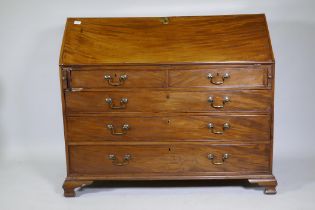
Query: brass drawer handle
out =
(224, 101)
(213, 78)
(224, 127)
(123, 103)
(116, 162)
(124, 129)
(111, 82)
(212, 157)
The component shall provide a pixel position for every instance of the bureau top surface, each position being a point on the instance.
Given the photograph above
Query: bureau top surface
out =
(172, 40)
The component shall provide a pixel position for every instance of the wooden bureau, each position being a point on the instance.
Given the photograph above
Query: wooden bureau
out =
(173, 98)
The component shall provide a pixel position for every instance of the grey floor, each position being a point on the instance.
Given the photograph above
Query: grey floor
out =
(34, 181)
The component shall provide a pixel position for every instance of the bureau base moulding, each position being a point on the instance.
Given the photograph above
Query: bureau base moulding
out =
(267, 182)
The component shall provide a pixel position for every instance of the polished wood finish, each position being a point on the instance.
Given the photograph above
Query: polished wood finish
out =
(236, 38)
(168, 99)
(240, 77)
(135, 79)
(182, 76)
(168, 159)
(269, 184)
(175, 128)
(70, 185)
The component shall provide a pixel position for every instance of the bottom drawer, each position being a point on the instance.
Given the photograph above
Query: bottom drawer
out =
(188, 158)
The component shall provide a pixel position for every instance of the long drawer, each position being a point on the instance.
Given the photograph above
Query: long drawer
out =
(210, 76)
(163, 128)
(168, 101)
(168, 158)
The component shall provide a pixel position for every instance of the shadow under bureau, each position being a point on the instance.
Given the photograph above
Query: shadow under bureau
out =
(173, 98)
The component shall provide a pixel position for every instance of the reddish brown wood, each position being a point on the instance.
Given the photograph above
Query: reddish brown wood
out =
(168, 101)
(140, 78)
(184, 40)
(176, 128)
(168, 159)
(269, 184)
(70, 185)
(168, 108)
(239, 76)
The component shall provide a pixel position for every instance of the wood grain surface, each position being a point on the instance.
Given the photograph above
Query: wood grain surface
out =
(165, 65)
(188, 127)
(203, 39)
(167, 159)
(238, 77)
(138, 79)
(168, 101)
(177, 76)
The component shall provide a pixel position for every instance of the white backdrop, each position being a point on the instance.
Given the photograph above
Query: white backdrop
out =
(30, 105)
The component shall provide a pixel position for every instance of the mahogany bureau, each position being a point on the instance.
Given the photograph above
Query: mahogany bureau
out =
(173, 98)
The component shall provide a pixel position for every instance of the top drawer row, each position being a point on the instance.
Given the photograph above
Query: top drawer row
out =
(211, 76)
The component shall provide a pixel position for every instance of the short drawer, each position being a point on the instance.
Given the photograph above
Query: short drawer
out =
(220, 77)
(168, 101)
(168, 159)
(175, 128)
(118, 79)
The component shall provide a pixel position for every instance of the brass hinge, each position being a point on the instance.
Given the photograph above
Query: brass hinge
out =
(66, 72)
(270, 76)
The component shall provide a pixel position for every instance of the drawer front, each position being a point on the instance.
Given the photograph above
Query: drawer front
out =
(212, 127)
(168, 101)
(168, 158)
(118, 79)
(220, 77)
